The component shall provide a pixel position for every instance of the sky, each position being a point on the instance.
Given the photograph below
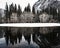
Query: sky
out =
(22, 3)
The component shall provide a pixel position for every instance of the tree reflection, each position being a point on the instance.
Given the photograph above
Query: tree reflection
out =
(28, 37)
(7, 34)
(43, 40)
(12, 37)
(19, 35)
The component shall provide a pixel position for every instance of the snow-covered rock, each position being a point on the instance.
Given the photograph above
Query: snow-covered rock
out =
(43, 4)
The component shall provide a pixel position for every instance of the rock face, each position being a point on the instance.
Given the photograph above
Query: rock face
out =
(48, 11)
(43, 4)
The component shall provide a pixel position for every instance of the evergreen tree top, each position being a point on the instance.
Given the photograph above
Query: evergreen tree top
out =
(28, 8)
(6, 6)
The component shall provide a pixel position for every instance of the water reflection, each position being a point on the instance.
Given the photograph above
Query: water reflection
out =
(21, 38)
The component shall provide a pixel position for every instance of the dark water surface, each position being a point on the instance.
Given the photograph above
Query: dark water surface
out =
(23, 43)
(23, 38)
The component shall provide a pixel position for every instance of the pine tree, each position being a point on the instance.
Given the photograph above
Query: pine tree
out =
(28, 8)
(19, 10)
(12, 8)
(10, 11)
(38, 12)
(25, 9)
(6, 11)
(33, 10)
(15, 8)
(6, 7)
